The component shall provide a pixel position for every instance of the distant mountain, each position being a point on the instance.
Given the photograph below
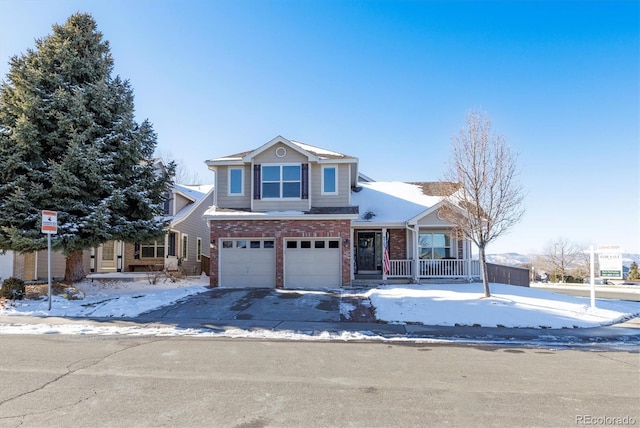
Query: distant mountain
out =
(510, 259)
(516, 259)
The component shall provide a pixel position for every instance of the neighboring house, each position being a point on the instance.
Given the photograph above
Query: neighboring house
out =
(182, 247)
(292, 215)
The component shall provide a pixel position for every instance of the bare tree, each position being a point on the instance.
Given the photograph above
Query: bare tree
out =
(182, 174)
(486, 200)
(562, 255)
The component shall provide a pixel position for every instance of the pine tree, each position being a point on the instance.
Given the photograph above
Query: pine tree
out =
(69, 143)
(633, 271)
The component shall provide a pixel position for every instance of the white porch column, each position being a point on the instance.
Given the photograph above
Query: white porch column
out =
(353, 259)
(385, 245)
(92, 260)
(416, 258)
(119, 255)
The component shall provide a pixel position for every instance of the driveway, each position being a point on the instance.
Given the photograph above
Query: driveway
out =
(256, 306)
(348, 310)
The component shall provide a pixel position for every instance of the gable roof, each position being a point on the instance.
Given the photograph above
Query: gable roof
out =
(316, 154)
(196, 193)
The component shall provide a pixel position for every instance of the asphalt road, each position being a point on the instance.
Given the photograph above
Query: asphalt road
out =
(99, 381)
(630, 294)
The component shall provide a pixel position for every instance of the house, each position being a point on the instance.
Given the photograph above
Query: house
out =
(290, 215)
(182, 248)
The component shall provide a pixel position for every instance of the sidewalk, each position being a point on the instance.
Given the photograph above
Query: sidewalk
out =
(260, 313)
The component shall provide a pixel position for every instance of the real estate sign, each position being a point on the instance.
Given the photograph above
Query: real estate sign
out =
(610, 260)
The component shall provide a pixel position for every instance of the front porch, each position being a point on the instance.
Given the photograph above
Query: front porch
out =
(429, 271)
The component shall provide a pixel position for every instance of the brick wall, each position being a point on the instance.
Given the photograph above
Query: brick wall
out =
(280, 229)
(397, 244)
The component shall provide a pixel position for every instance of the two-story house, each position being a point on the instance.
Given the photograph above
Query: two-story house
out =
(292, 215)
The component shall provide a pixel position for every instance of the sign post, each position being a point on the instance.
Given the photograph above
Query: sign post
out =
(592, 269)
(50, 227)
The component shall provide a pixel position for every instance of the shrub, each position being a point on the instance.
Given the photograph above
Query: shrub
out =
(13, 288)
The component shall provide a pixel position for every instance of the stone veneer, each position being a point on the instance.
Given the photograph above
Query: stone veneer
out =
(280, 229)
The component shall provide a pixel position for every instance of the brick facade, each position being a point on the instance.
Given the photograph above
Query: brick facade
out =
(397, 244)
(279, 230)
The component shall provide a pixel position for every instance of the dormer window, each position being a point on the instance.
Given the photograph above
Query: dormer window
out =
(281, 181)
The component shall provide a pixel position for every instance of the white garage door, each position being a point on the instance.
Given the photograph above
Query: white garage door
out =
(312, 263)
(6, 265)
(247, 263)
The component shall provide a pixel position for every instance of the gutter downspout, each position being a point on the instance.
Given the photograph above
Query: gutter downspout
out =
(416, 262)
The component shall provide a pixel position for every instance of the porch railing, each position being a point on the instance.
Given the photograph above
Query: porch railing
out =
(449, 268)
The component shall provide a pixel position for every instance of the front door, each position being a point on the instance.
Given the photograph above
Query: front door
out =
(107, 254)
(367, 252)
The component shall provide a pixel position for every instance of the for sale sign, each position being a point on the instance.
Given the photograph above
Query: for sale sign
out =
(610, 259)
(49, 222)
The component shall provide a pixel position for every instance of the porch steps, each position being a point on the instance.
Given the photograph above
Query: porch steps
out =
(372, 282)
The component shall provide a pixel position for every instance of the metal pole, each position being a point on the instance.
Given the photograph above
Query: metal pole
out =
(593, 280)
(49, 265)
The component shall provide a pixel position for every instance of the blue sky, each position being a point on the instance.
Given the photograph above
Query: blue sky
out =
(390, 82)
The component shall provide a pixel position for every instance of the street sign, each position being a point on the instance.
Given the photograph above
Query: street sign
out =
(49, 222)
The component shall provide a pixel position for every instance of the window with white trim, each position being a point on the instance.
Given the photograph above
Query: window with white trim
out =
(434, 245)
(329, 180)
(185, 243)
(199, 249)
(236, 185)
(152, 250)
(281, 181)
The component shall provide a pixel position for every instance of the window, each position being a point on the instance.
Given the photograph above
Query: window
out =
(434, 246)
(235, 182)
(199, 249)
(152, 250)
(185, 243)
(329, 180)
(281, 181)
(227, 244)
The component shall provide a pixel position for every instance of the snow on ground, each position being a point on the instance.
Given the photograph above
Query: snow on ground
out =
(508, 306)
(434, 304)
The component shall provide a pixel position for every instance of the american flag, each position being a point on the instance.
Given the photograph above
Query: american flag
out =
(385, 256)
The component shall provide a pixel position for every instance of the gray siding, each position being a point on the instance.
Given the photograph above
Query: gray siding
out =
(269, 156)
(281, 205)
(222, 188)
(194, 226)
(344, 187)
(58, 264)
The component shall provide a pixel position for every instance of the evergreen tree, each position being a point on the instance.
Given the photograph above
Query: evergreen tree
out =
(69, 143)
(633, 271)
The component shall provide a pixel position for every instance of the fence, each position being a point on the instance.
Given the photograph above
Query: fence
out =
(508, 275)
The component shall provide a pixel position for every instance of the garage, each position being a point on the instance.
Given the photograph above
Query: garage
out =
(248, 263)
(315, 263)
(6, 265)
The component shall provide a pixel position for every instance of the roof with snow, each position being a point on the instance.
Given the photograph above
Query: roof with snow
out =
(197, 193)
(395, 202)
(318, 152)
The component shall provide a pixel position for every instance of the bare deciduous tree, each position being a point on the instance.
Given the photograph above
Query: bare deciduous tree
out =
(487, 199)
(563, 255)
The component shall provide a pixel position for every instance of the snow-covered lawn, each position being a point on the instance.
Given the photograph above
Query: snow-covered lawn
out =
(508, 306)
(435, 304)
